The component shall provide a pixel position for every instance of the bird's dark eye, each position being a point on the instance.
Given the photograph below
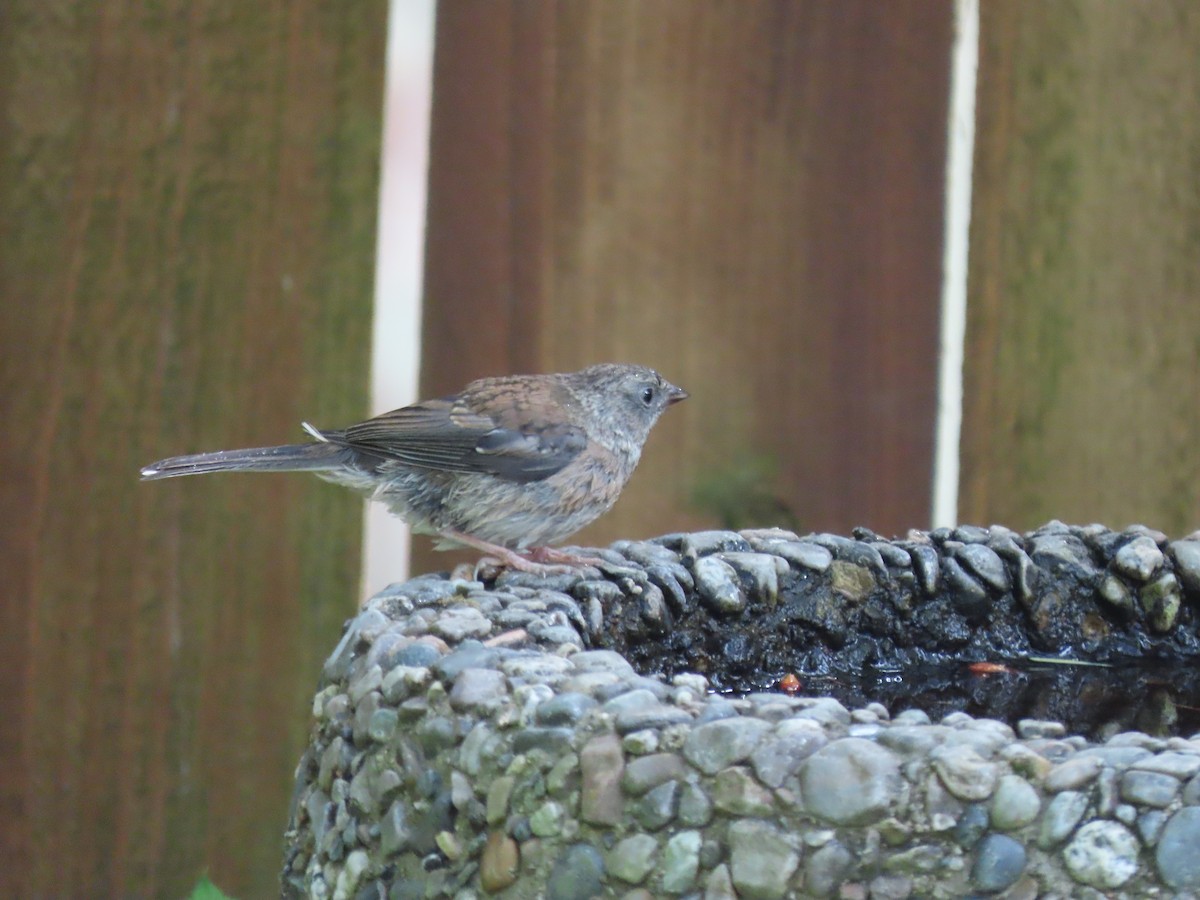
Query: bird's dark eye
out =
(648, 395)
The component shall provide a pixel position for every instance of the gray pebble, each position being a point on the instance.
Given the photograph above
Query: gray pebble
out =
(371, 680)
(632, 858)
(894, 557)
(1063, 813)
(658, 806)
(695, 806)
(969, 596)
(891, 887)
(1170, 762)
(602, 661)
(418, 653)
(852, 551)
(1150, 826)
(482, 689)
(648, 772)
(681, 862)
(1073, 773)
(762, 859)
(1161, 600)
(1136, 739)
(602, 766)
(1025, 577)
(850, 781)
(1102, 854)
(943, 808)
(705, 543)
(640, 743)
(1191, 792)
(761, 539)
(971, 534)
(1149, 788)
(984, 564)
(1063, 555)
(658, 715)
(735, 791)
(1117, 757)
(964, 772)
(547, 820)
(781, 754)
(476, 746)
(363, 628)
(1039, 728)
(999, 862)
(498, 797)
(594, 589)
(916, 740)
(536, 668)
(468, 655)
(1138, 559)
(675, 583)
(553, 741)
(826, 710)
(719, 885)
(461, 622)
(394, 832)
(1015, 803)
(827, 868)
(715, 708)
(911, 717)
(366, 708)
(554, 635)
(1186, 555)
(760, 571)
(1176, 854)
(382, 725)
(718, 586)
(1116, 593)
(565, 708)
(639, 698)
(927, 566)
(404, 681)
(971, 826)
(578, 874)
(714, 745)
(804, 555)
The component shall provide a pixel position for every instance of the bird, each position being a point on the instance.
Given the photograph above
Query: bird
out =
(509, 465)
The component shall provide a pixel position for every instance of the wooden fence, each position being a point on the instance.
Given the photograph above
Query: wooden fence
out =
(747, 196)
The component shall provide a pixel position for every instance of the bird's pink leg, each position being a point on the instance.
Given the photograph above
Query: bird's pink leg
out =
(507, 557)
(550, 555)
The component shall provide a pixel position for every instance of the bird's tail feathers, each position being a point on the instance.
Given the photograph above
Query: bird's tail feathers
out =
(288, 458)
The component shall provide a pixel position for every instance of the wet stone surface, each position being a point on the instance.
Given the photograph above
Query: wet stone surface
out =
(574, 737)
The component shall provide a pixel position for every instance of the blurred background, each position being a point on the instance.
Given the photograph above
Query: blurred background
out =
(212, 227)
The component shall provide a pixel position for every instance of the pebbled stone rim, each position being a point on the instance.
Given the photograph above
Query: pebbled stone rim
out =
(467, 743)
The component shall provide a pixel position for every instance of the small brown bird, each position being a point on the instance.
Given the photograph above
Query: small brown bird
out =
(507, 466)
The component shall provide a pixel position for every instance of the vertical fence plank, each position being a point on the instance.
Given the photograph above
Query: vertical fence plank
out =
(187, 211)
(746, 196)
(1084, 310)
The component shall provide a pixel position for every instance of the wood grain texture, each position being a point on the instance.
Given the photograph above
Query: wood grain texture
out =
(746, 196)
(1084, 322)
(187, 218)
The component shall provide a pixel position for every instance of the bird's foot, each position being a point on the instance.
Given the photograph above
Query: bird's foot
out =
(510, 559)
(563, 558)
(542, 561)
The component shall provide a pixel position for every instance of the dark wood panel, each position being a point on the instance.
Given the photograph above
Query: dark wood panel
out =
(746, 196)
(1084, 326)
(187, 206)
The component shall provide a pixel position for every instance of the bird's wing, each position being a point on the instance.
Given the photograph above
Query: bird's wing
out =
(448, 435)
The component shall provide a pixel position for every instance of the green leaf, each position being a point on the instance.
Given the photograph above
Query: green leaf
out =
(206, 890)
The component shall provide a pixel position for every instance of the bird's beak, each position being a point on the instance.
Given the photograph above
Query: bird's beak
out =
(675, 394)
